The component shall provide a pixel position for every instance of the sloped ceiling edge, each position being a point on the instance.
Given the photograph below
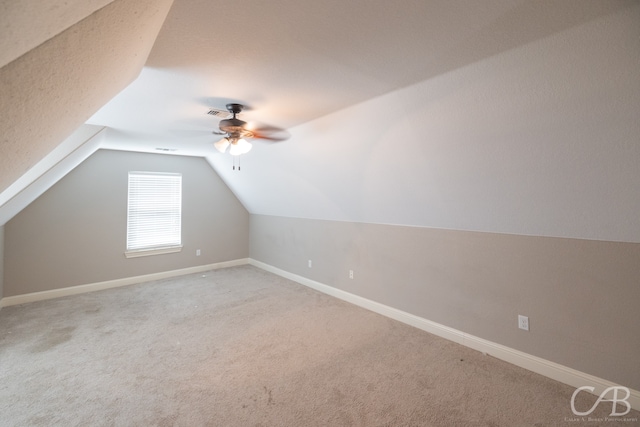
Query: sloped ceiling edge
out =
(73, 151)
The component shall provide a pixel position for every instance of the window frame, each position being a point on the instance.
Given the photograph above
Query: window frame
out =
(133, 251)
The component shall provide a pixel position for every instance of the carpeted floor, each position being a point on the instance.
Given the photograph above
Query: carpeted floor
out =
(243, 347)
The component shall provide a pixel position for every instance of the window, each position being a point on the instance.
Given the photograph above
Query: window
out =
(154, 211)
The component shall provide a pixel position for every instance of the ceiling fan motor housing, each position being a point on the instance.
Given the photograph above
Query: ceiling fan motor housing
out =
(235, 127)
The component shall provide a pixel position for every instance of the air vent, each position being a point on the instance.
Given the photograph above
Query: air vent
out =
(222, 114)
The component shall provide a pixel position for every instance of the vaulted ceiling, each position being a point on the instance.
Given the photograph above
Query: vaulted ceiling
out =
(294, 62)
(497, 115)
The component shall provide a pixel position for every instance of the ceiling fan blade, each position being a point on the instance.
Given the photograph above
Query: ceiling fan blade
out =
(270, 133)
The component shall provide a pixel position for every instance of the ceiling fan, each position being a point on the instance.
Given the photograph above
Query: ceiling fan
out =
(236, 132)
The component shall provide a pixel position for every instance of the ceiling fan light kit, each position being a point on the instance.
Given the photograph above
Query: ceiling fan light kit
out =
(222, 145)
(238, 146)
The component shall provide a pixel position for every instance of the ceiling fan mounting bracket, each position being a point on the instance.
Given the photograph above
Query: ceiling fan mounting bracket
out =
(235, 108)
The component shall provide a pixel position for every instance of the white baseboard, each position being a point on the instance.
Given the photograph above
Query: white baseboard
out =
(80, 289)
(535, 364)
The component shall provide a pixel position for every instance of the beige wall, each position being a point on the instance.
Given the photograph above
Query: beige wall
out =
(75, 233)
(581, 296)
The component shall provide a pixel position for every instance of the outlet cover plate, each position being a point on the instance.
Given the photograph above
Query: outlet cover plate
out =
(523, 322)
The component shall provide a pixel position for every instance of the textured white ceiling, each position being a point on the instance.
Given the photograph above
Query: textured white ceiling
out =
(294, 61)
(29, 23)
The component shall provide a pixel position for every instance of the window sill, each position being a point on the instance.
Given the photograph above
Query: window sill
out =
(156, 251)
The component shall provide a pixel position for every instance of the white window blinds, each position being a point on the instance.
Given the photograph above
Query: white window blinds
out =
(154, 211)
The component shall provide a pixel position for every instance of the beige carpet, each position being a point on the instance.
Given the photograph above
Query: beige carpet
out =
(242, 347)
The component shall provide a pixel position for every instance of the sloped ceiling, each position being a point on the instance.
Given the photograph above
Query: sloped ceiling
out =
(28, 23)
(294, 62)
(82, 57)
(503, 115)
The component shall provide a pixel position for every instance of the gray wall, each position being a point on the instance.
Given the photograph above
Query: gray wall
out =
(581, 296)
(75, 233)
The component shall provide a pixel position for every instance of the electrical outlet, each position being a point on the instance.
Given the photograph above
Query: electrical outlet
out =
(350, 274)
(309, 263)
(197, 252)
(523, 322)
